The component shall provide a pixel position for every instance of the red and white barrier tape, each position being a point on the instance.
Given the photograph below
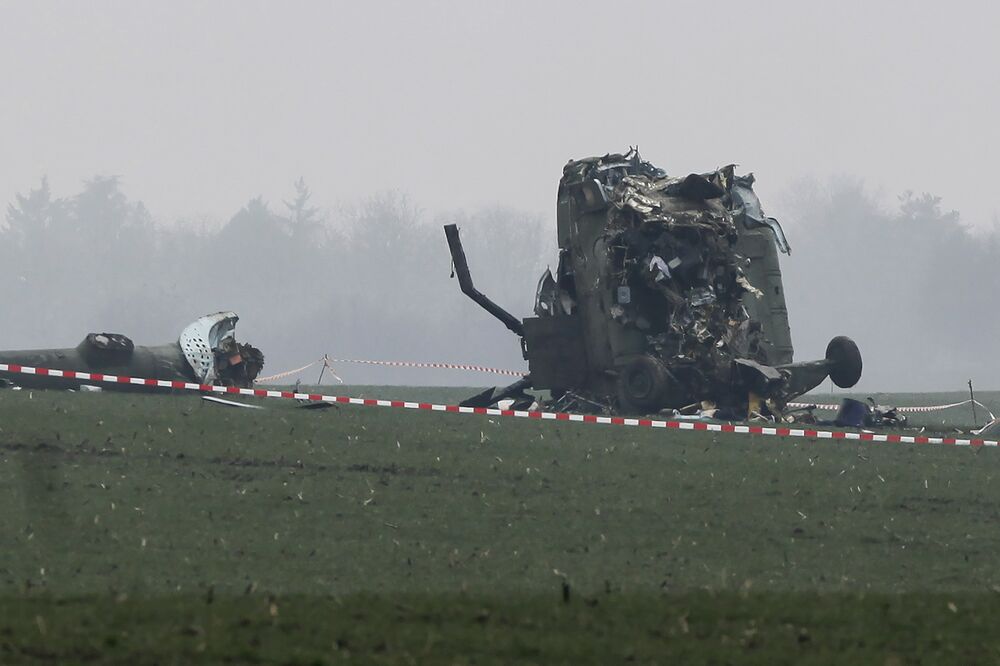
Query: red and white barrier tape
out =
(774, 431)
(921, 409)
(287, 373)
(514, 373)
(396, 364)
(439, 366)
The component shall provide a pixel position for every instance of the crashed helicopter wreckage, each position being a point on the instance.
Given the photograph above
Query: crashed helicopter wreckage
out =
(205, 353)
(667, 295)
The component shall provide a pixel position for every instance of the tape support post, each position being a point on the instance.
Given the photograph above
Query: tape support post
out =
(773, 431)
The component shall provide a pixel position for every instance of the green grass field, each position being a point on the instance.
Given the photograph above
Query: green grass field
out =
(163, 529)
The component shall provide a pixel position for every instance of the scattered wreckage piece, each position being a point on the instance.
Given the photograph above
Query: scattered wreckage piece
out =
(206, 352)
(316, 404)
(229, 403)
(884, 416)
(858, 414)
(667, 292)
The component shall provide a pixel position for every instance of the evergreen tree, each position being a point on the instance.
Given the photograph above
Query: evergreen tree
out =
(303, 219)
(31, 215)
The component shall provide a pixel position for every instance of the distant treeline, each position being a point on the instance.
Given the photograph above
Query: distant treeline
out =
(371, 280)
(910, 283)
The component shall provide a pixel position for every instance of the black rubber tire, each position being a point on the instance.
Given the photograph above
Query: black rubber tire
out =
(642, 385)
(845, 361)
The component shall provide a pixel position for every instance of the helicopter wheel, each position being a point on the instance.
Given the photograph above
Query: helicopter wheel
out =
(643, 384)
(845, 361)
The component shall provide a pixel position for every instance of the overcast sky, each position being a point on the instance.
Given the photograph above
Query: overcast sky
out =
(201, 105)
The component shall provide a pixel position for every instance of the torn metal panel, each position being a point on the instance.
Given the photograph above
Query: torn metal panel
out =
(668, 292)
(206, 352)
(752, 213)
(546, 295)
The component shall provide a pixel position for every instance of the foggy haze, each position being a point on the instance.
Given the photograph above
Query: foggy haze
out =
(402, 117)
